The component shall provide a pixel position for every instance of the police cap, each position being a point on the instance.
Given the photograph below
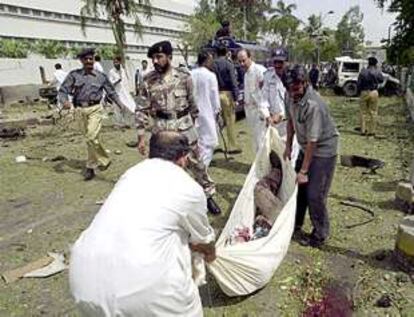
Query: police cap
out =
(296, 74)
(85, 52)
(164, 47)
(280, 54)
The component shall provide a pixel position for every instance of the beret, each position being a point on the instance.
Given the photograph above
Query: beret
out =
(280, 54)
(160, 47)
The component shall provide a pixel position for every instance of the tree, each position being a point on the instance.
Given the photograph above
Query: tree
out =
(282, 22)
(14, 48)
(401, 47)
(108, 51)
(116, 11)
(49, 49)
(350, 32)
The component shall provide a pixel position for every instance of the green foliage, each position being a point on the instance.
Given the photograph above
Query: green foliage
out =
(350, 32)
(282, 22)
(116, 11)
(49, 49)
(14, 48)
(107, 51)
(400, 50)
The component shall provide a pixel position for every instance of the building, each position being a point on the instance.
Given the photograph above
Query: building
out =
(60, 20)
(377, 51)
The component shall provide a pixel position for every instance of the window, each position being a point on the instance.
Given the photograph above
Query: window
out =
(2, 8)
(36, 13)
(57, 16)
(47, 14)
(350, 68)
(24, 10)
(12, 9)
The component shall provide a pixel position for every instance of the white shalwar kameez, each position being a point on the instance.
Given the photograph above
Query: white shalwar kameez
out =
(58, 77)
(119, 79)
(255, 116)
(207, 98)
(134, 259)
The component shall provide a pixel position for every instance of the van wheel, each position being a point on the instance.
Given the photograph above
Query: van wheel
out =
(350, 89)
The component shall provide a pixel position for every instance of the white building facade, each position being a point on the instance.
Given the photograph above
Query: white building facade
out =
(60, 20)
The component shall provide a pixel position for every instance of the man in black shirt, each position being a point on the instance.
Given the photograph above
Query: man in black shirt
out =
(226, 77)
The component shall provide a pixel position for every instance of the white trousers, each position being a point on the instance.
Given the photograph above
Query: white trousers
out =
(257, 126)
(206, 154)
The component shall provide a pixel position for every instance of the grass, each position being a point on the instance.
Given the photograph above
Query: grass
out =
(45, 205)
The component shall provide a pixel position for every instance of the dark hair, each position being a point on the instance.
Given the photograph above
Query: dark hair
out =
(144, 61)
(168, 145)
(118, 58)
(58, 66)
(97, 58)
(225, 23)
(372, 61)
(222, 50)
(248, 52)
(203, 57)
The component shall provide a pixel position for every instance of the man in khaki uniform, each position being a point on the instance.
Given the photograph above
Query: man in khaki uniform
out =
(368, 81)
(86, 86)
(167, 104)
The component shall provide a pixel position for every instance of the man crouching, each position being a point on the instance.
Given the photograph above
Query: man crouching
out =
(135, 257)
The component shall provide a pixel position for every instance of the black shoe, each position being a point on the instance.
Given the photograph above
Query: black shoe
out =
(301, 237)
(213, 207)
(105, 167)
(316, 242)
(89, 174)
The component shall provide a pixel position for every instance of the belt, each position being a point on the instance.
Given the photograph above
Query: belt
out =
(171, 115)
(86, 103)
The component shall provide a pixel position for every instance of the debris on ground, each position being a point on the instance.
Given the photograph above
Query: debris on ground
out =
(20, 159)
(118, 152)
(384, 301)
(12, 133)
(361, 161)
(14, 275)
(58, 265)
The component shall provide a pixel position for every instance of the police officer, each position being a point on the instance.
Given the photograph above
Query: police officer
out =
(167, 104)
(368, 81)
(274, 92)
(86, 86)
(309, 118)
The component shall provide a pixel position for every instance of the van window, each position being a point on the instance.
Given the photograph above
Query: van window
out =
(350, 68)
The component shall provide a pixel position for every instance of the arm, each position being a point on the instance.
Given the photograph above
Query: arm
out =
(233, 81)
(289, 140)
(110, 90)
(207, 249)
(65, 90)
(214, 95)
(190, 98)
(142, 115)
(264, 105)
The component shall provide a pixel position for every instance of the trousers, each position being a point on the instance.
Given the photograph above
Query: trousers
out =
(369, 111)
(314, 194)
(92, 123)
(229, 117)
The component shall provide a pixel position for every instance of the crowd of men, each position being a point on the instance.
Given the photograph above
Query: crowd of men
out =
(135, 258)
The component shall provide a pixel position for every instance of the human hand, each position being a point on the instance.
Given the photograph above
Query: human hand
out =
(268, 121)
(67, 105)
(276, 118)
(302, 178)
(210, 256)
(142, 149)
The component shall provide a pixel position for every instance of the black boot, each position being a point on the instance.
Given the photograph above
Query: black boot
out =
(89, 174)
(213, 207)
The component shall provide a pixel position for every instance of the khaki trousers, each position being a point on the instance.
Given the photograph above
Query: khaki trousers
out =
(369, 111)
(229, 117)
(92, 123)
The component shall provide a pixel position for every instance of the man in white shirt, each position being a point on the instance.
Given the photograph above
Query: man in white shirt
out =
(118, 77)
(97, 65)
(135, 257)
(274, 91)
(58, 76)
(256, 115)
(206, 96)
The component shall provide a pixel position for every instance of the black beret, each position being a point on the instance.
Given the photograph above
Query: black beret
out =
(160, 47)
(86, 51)
(372, 60)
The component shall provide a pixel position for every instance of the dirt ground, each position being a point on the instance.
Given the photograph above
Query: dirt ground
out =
(45, 205)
